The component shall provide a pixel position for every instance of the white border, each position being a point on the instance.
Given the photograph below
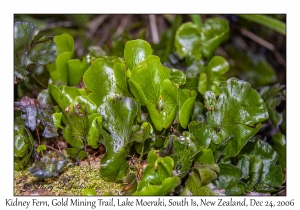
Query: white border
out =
(8, 9)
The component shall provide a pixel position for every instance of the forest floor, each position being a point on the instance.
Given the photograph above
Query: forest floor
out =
(71, 182)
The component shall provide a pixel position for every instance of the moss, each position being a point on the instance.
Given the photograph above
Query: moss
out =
(72, 181)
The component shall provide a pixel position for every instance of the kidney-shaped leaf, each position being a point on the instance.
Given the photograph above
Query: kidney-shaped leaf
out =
(213, 33)
(105, 78)
(135, 52)
(118, 115)
(150, 84)
(146, 80)
(188, 40)
(235, 116)
(193, 41)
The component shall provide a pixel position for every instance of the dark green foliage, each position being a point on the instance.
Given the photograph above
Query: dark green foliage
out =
(23, 145)
(258, 161)
(273, 96)
(27, 52)
(194, 41)
(186, 118)
(50, 164)
(229, 179)
(236, 114)
(118, 115)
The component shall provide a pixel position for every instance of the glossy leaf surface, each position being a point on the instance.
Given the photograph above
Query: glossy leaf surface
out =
(118, 115)
(29, 112)
(88, 104)
(50, 164)
(23, 35)
(45, 114)
(135, 52)
(44, 97)
(229, 179)
(64, 43)
(26, 52)
(142, 133)
(23, 145)
(214, 32)
(34, 114)
(192, 41)
(264, 174)
(188, 40)
(45, 118)
(41, 52)
(104, 79)
(235, 115)
(150, 84)
(63, 95)
(177, 77)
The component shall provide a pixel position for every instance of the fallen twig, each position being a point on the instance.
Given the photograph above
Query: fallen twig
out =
(264, 43)
(153, 27)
